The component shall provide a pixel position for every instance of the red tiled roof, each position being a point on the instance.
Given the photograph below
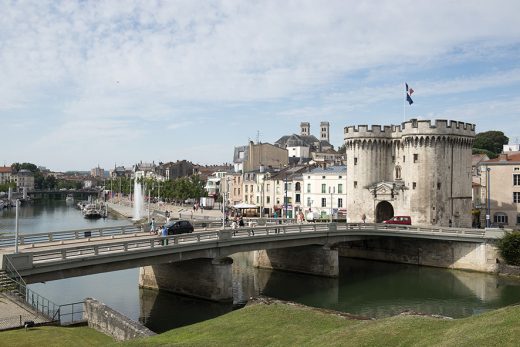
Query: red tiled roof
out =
(5, 169)
(507, 157)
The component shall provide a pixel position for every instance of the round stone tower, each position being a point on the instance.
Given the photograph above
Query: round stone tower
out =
(417, 169)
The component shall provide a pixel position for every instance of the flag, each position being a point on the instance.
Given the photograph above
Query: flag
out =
(409, 92)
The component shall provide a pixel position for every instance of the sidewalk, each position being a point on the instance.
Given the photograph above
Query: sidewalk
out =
(13, 314)
(123, 207)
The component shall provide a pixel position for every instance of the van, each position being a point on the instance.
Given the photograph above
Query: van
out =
(404, 220)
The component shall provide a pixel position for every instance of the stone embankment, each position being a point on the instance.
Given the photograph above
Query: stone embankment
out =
(110, 322)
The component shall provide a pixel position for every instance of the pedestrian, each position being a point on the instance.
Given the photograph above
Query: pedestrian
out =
(152, 226)
(241, 222)
(164, 235)
(234, 227)
(364, 217)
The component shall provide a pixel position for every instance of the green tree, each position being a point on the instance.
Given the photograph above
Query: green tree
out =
(491, 141)
(509, 247)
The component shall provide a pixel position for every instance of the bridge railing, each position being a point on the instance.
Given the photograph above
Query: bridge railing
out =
(411, 228)
(58, 253)
(35, 238)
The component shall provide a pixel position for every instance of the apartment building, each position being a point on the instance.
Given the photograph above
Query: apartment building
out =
(501, 189)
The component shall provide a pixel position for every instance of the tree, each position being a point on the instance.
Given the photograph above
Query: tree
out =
(342, 149)
(491, 141)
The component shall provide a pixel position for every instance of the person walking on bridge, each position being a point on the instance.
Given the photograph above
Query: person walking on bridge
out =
(164, 235)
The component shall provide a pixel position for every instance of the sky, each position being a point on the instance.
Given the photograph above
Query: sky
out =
(104, 83)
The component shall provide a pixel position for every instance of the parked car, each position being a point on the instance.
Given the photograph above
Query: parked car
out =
(405, 220)
(179, 227)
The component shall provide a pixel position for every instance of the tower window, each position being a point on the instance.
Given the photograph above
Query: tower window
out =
(438, 185)
(355, 184)
(404, 158)
(415, 158)
(355, 161)
(414, 185)
(393, 159)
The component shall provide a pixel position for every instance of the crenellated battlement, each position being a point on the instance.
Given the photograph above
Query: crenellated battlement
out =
(411, 127)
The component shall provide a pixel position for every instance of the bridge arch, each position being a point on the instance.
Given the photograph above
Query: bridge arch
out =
(384, 211)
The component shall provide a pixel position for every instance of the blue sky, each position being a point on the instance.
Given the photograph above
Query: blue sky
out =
(84, 83)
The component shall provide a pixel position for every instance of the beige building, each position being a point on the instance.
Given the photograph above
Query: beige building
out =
(501, 189)
(253, 156)
(419, 169)
(24, 179)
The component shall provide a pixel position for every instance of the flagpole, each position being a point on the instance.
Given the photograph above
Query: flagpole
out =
(404, 104)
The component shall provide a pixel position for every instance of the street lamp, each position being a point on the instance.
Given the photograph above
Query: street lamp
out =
(488, 188)
(286, 200)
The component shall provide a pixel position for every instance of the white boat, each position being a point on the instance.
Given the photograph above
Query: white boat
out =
(69, 198)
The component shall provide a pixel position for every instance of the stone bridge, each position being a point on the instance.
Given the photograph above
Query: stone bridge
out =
(198, 264)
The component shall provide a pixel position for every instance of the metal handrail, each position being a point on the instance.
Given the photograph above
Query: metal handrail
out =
(35, 300)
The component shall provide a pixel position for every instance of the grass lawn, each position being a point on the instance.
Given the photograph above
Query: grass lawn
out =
(282, 324)
(50, 336)
(291, 325)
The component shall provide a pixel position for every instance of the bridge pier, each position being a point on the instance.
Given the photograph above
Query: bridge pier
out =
(209, 279)
(313, 260)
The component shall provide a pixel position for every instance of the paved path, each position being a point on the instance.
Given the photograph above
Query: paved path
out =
(123, 207)
(14, 314)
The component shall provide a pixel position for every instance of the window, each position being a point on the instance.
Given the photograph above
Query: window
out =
(340, 177)
(438, 185)
(516, 180)
(323, 202)
(516, 197)
(268, 200)
(518, 218)
(308, 187)
(340, 202)
(397, 172)
(297, 198)
(322, 177)
(404, 158)
(355, 184)
(268, 187)
(297, 187)
(251, 188)
(246, 188)
(323, 188)
(257, 200)
(355, 161)
(415, 158)
(500, 218)
(393, 159)
(414, 184)
(238, 191)
(309, 202)
(340, 188)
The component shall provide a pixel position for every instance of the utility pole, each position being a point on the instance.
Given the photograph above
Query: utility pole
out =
(488, 188)
(286, 200)
(332, 190)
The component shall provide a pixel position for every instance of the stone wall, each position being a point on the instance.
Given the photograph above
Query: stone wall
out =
(447, 254)
(209, 279)
(314, 260)
(112, 323)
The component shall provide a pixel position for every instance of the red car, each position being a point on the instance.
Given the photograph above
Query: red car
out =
(406, 220)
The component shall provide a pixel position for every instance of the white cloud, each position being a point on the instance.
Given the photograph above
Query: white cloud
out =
(132, 62)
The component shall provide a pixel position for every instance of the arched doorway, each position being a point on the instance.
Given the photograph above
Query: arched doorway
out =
(384, 211)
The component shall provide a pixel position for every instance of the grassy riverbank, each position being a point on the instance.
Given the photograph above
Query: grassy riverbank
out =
(278, 324)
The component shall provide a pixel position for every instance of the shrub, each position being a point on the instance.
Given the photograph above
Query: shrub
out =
(509, 247)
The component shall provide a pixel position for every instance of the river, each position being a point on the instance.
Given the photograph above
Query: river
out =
(366, 288)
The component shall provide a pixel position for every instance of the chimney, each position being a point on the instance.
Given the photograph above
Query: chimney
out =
(502, 157)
